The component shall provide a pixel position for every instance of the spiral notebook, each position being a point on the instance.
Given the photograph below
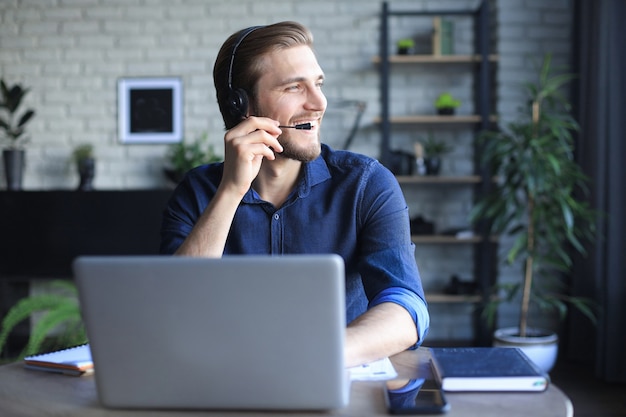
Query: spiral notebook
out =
(75, 361)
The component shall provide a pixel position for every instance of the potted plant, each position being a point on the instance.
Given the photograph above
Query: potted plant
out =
(12, 125)
(86, 165)
(446, 104)
(183, 156)
(433, 151)
(536, 201)
(405, 46)
(60, 310)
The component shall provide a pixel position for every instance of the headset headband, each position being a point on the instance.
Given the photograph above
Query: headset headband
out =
(245, 33)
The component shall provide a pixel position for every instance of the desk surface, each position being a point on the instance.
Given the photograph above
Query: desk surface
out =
(34, 393)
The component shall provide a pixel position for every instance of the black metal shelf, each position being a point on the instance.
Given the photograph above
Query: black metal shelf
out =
(481, 62)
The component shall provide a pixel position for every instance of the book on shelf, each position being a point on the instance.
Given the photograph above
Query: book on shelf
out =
(443, 36)
(491, 369)
(447, 37)
(75, 361)
(436, 38)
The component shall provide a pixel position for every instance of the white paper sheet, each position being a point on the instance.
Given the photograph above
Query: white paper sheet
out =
(374, 371)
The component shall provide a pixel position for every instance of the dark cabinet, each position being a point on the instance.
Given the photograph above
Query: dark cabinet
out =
(41, 232)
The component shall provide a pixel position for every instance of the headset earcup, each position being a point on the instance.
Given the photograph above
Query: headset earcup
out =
(238, 103)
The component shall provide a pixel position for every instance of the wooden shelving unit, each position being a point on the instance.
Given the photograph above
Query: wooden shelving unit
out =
(444, 239)
(479, 64)
(436, 179)
(435, 59)
(436, 119)
(450, 298)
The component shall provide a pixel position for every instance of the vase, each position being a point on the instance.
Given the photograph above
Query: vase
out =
(446, 111)
(14, 160)
(433, 165)
(87, 171)
(541, 346)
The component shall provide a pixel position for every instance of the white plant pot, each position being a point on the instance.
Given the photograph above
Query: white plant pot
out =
(540, 346)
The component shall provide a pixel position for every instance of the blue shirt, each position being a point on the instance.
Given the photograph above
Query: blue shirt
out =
(343, 203)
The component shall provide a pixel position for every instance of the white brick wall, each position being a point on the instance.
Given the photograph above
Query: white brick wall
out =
(71, 52)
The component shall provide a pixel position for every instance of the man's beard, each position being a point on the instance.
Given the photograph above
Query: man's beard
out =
(291, 150)
(291, 147)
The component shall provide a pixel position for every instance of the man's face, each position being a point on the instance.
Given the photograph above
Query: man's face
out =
(290, 91)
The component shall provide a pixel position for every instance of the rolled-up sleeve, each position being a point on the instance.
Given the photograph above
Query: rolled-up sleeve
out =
(415, 305)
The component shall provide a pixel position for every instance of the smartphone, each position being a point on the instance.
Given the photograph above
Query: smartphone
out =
(415, 396)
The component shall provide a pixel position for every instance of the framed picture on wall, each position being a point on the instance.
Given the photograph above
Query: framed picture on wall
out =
(150, 110)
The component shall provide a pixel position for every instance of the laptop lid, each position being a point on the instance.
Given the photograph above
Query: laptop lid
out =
(240, 332)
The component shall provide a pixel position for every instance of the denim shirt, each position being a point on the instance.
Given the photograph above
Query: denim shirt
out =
(344, 203)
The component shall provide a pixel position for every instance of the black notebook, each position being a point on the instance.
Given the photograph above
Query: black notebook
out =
(487, 369)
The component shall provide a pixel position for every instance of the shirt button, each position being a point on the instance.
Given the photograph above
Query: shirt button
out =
(276, 216)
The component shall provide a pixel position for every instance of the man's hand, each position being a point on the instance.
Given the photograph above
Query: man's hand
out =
(245, 147)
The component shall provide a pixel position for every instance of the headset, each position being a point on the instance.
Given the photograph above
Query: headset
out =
(237, 97)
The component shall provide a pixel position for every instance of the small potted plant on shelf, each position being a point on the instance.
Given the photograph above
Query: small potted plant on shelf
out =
(13, 125)
(433, 151)
(183, 156)
(405, 46)
(86, 165)
(446, 104)
(536, 200)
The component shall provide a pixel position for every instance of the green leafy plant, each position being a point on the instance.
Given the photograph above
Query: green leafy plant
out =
(435, 148)
(59, 311)
(12, 122)
(405, 45)
(183, 156)
(446, 101)
(536, 199)
(82, 152)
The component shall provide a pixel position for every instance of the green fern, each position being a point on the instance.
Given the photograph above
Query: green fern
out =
(60, 308)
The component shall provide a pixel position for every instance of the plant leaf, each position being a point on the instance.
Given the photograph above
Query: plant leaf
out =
(64, 312)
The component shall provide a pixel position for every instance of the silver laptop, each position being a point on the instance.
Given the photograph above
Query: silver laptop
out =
(241, 332)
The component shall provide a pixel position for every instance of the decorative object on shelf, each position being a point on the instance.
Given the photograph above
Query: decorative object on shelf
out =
(446, 104)
(401, 163)
(183, 156)
(443, 36)
(406, 46)
(434, 149)
(12, 125)
(458, 286)
(459, 232)
(420, 226)
(150, 110)
(60, 309)
(537, 200)
(420, 163)
(86, 166)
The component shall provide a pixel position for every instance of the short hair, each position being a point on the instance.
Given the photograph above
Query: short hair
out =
(246, 67)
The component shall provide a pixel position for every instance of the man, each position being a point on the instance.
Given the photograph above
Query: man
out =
(280, 191)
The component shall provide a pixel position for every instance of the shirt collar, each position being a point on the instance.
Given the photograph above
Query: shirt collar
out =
(315, 172)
